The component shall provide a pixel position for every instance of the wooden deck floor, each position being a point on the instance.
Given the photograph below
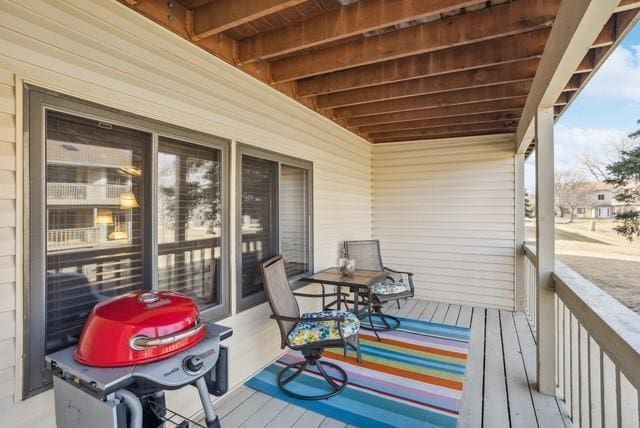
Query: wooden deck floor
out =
(499, 388)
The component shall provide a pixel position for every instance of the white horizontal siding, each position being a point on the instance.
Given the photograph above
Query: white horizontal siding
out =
(445, 210)
(8, 266)
(103, 52)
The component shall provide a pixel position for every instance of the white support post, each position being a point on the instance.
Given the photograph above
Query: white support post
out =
(521, 291)
(545, 221)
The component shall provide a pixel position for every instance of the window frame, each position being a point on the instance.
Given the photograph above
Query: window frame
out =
(242, 149)
(37, 101)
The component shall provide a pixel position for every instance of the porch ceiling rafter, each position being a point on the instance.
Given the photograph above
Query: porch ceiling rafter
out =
(487, 76)
(509, 126)
(463, 96)
(468, 57)
(615, 29)
(396, 68)
(499, 21)
(580, 25)
(221, 15)
(509, 104)
(354, 19)
(472, 119)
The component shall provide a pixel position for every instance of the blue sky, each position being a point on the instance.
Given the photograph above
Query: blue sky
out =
(604, 112)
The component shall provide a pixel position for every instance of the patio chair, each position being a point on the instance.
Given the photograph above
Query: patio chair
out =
(393, 288)
(309, 333)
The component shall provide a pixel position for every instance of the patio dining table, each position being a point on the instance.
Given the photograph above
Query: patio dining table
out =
(359, 282)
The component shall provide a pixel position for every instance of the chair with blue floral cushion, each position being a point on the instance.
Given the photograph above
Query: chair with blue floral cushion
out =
(309, 333)
(392, 288)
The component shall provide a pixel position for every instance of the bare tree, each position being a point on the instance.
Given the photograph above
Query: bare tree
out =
(598, 167)
(571, 191)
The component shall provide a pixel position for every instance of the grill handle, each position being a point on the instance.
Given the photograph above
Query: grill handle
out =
(140, 343)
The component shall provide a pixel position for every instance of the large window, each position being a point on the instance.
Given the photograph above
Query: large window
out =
(116, 204)
(274, 217)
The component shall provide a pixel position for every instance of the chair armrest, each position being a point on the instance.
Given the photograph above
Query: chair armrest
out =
(409, 276)
(304, 319)
(320, 295)
(398, 271)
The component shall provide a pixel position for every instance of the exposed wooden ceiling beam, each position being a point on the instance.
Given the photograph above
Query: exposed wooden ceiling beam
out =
(472, 133)
(624, 22)
(442, 112)
(443, 121)
(592, 59)
(174, 16)
(578, 23)
(504, 73)
(469, 57)
(464, 96)
(485, 24)
(453, 129)
(221, 15)
(348, 21)
(563, 99)
(574, 83)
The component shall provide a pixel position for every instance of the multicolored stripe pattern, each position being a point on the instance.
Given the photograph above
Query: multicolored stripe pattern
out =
(413, 378)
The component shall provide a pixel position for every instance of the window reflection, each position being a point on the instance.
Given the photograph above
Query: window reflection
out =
(189, 220)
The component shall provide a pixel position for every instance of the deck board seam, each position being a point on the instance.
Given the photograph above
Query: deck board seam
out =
(504, 368)
(527, 375)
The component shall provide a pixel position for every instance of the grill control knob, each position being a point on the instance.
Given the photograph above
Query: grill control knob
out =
(193, 364)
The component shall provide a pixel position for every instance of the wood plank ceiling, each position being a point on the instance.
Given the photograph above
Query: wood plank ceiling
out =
(391, 70)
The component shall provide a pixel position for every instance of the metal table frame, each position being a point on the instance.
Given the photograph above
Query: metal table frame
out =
(360, 281)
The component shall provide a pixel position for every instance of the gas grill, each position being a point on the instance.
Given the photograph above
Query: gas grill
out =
(94, 386)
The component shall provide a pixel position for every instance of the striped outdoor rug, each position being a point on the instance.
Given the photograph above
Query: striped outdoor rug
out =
(413, 378)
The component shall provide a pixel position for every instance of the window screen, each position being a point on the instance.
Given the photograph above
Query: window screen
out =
(259, 219)
(274, 218)
(294, 219)
(94, 203)
(189, 220)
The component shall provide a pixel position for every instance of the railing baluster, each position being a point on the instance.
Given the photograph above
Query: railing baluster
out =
(575, 376)
(567, 358)
(628, 403)
(610, 393)
(560, 350)
(583, 368)
(595, 376)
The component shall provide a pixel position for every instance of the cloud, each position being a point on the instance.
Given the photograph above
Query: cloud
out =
(572, 143)
(618, 78)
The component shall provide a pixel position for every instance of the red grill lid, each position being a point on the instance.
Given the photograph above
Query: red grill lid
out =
(138, 328)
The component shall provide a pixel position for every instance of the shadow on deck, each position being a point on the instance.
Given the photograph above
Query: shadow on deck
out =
(499, 389)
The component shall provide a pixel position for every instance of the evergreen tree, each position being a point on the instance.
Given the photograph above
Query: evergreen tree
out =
(624, 174)
(528, 210)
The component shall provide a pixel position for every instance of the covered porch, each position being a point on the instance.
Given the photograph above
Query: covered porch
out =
(500, 387)
(317, 122)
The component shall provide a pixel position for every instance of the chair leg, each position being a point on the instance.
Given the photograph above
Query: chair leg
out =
(336, 383)
(358, 352)
(373, 327)
(300, 367)
(398, 303)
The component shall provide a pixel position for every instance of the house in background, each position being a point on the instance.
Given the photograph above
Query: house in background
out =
(597, 201)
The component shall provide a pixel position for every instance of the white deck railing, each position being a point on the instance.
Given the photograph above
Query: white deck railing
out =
(531, 285)
(66, 239)
(597, 342)
(82, 193)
